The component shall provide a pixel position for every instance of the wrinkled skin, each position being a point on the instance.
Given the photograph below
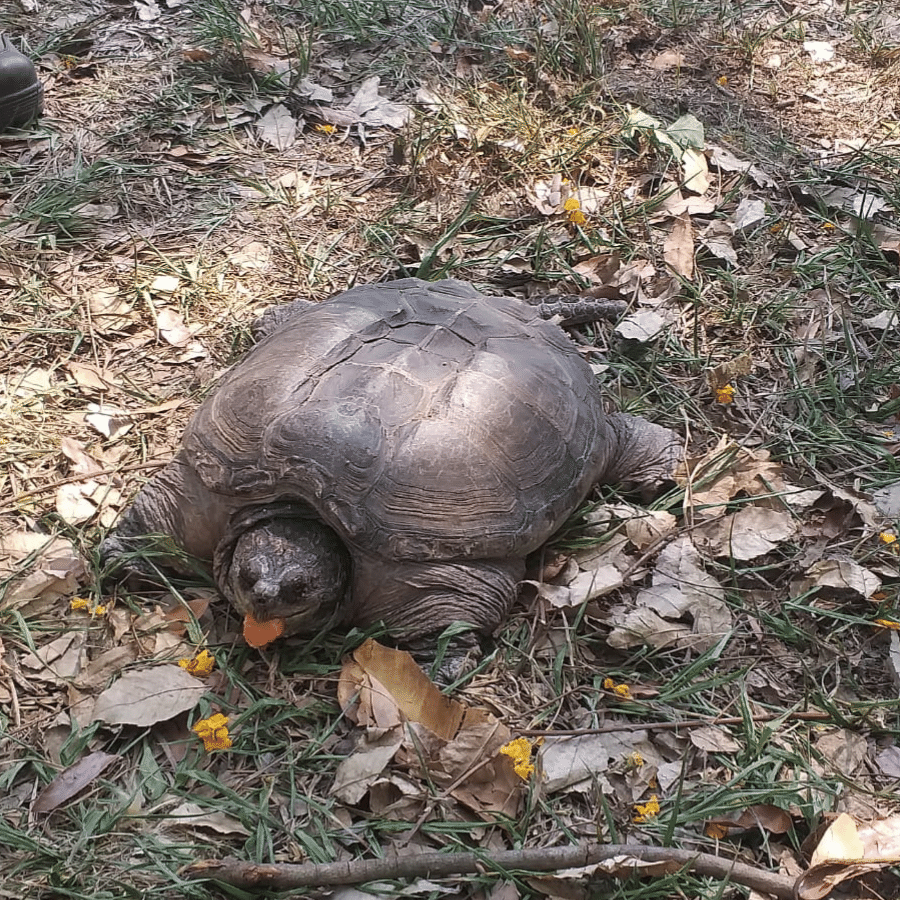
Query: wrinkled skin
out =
(438, 435)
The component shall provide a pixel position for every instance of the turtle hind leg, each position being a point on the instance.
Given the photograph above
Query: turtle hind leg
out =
(273, 318)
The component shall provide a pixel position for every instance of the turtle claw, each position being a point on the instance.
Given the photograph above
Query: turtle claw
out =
(456, 656)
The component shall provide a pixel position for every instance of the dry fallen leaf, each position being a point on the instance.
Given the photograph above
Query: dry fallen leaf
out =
(760, 816)
(253, 257)
(838, 575)
(72, 780)
(747, 534)
(844, 750)
(680, 589)
(641, 326)
(356, 774)
(695, 171)
(277, 127)
(414, 693)
(192, 815)
(147, 696)
(678, 247)
(172, 328)
(848, 850)
(38, 565)
(109, 311)
(713, 739)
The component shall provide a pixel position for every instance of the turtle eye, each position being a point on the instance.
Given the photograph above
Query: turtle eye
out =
(293, 586)
(246, 578)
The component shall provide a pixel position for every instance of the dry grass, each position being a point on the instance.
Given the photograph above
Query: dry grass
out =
(148, 165)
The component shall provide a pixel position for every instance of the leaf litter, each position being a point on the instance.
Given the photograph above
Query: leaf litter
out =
(751, 549)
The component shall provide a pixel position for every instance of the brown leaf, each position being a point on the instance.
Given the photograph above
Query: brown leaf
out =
(52, 564)
(695, 171)
(839, 575)
(99, 671)
(646, 527)
(90, 379)
(414, 693)
(680, 589)
(109, 311)
(761, 816)
(148, 696)
(678, 247)
(642, 326)
(72, 780)
(712, 739)
(59, 660)
(172, 328)
(668, 59)
(277, 127)
(747, 534)
(74, 503)
(356, 774)
(726, 372)
(848, 851)
(192, 815)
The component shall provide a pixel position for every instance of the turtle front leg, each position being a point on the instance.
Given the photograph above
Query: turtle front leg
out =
(173, 515)
(420, 601)
(638, 452)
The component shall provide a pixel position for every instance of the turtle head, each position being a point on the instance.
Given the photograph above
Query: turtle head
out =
(291, 569)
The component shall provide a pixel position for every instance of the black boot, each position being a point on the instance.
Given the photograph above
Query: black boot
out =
(21, 93)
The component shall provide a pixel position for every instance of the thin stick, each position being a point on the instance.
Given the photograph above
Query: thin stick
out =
(674, 726)
(284, 876)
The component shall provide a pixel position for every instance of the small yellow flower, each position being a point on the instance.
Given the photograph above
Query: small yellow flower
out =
(645, 811)
(774, 229)
(828, 226)
(214, 732)
(722, 80)
(887, 537)
(635, 760)
(888, 623)
(325, 129)
(572, 131)
(80, 604)
(519, 751)
(725, 395)
(201, 665)
(572, 207)
(620, 690)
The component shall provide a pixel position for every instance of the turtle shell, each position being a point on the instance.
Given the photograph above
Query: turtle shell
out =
(421, 421)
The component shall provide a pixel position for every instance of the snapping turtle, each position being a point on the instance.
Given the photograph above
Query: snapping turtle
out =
(393, 454)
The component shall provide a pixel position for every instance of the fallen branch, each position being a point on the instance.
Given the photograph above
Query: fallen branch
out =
(283, 876)
(674, 726)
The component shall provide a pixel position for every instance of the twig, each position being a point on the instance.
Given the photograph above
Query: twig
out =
(53, 485)
(284, 876)
(674, 726)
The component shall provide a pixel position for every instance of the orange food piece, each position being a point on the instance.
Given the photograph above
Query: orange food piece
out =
(258, 634)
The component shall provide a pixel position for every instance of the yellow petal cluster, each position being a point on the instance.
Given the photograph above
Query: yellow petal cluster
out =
(620, 690)
(79, 603)
(519, 751)
(725, 395)
(648, 810)
(201, 665)
(214, 732)
(573, 210)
